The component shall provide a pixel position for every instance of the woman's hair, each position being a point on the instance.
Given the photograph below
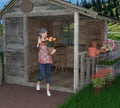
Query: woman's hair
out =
(42, 30)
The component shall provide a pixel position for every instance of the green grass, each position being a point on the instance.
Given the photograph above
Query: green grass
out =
(114, 27)
(114, 31)
(86, 98)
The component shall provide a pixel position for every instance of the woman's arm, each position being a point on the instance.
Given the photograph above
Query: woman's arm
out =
(39, 41)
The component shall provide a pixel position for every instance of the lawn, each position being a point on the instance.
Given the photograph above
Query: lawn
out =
(114, 27)
(87, 98)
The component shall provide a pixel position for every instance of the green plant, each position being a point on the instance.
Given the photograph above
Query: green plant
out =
(100, 77)
(50, 41)
(97, 80)
(110, 75)
(108, 62)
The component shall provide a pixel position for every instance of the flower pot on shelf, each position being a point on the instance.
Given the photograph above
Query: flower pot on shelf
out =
(92, 51)
(94, 44)
(97, 52)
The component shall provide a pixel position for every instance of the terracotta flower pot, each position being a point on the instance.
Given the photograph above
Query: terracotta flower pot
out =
(92, 51)
(94, 44)
(97, 52)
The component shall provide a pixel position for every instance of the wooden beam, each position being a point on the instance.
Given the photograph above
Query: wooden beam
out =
(75, 8)
(25, 36)
(76, 50)
(105, 29)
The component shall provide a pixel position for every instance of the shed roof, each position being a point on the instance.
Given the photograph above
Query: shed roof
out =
(69, 6)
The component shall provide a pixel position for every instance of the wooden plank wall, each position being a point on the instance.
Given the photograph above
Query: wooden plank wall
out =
(91, 30)
(1, 44)
(14, 49)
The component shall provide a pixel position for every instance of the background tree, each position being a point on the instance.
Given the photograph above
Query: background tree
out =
(116, 13)
(93, 5)
(77, 3)
(98, 6)
(105, 10)
(85, 4)
(110, 8)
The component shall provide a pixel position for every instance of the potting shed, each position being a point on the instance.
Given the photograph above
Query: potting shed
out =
(75, 29)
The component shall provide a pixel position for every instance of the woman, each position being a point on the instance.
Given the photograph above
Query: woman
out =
(45, 60)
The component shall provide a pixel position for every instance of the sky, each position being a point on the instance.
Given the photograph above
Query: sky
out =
(2, 3)
(75, 1)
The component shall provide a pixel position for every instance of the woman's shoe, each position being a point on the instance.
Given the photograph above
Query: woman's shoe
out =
(37, 87)
(48, 93)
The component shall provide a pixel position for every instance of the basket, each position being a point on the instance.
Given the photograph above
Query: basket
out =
(50, 50)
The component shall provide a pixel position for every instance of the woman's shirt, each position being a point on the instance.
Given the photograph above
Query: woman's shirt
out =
(43, 56)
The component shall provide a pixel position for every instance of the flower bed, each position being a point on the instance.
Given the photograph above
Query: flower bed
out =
(109, 45)
(109, 61)
(115, 67)
(102, 76)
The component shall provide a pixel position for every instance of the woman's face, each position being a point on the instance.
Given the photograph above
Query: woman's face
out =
(43, 35)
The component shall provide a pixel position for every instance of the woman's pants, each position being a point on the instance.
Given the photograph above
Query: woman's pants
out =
(45, 70)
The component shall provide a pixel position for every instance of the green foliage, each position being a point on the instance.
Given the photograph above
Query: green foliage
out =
(114, 27)
(110, 8)
(114, 31)
(108, 63)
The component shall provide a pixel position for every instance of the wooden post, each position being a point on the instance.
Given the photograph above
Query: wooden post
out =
(82, 68)
(25, 25)
(76, 50)
(87, 71)
(105, 29)
(93, 65)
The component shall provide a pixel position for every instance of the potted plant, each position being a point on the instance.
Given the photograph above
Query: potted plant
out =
(97, 81)
(51, 44)
(108, 45)
(110, 76)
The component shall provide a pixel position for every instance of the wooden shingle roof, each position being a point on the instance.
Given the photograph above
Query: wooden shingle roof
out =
(71, 7)
(7, 7)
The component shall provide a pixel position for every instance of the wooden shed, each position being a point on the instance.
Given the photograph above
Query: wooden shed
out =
(73, 26)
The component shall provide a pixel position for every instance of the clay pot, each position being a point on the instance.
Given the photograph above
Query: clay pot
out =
(94, 44)
(97, 52)
(92, 51)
